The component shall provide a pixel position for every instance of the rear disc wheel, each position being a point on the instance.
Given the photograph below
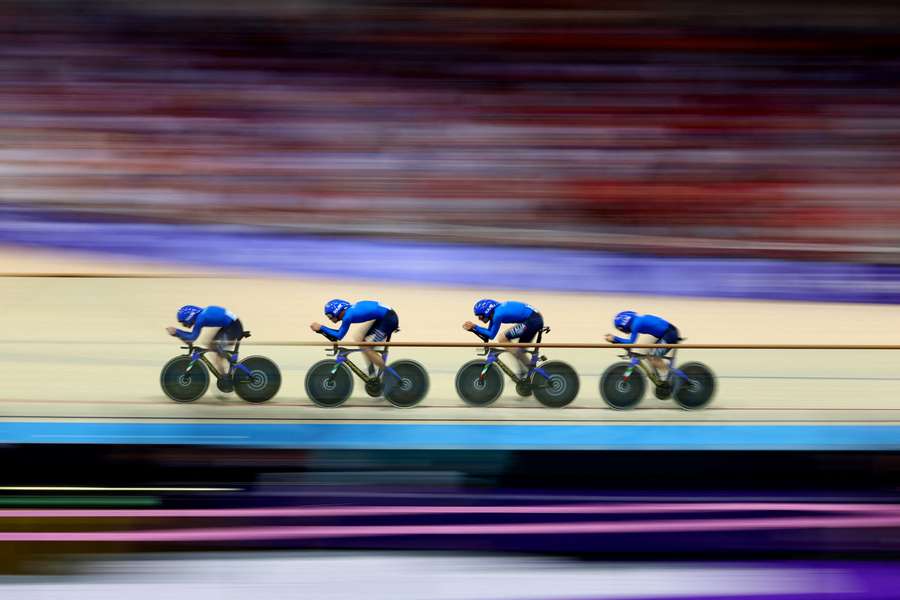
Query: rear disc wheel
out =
(261, 383)
(560, 388)
(412, 386)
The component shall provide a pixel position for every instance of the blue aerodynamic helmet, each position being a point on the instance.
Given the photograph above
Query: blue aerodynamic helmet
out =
(334, 307)
(484, 307)
(187, 314)
(622, 321)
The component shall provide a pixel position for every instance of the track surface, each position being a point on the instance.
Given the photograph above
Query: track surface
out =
(92, 348)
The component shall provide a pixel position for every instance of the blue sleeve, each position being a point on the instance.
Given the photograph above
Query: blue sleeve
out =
(346, 322)
(630, 340)
(193, 334)
(338, 333)
(495, 325)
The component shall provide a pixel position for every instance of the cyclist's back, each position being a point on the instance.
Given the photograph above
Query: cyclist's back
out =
(363, 311)
(511, 312)
(211, 316)
(647, 325)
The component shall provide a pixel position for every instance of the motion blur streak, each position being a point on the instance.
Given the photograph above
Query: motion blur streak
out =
(349, 511)
(78, 488)
(316, 532)
(438, 577)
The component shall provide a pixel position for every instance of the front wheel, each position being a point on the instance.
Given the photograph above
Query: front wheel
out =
(619, 392)
(411, 388)
(476, 390)
(261, 383)
(698, 390)
(559, 388)
(329, 389)
(181, 384)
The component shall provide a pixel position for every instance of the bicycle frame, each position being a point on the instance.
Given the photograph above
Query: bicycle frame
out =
(199, 354)
(638, 361)
(493, 357)
(341, 357)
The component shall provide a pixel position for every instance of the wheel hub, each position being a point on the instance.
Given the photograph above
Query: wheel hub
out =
(557, 384)
(258, 381)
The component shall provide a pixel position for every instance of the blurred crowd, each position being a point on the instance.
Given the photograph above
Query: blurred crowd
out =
(738, 128)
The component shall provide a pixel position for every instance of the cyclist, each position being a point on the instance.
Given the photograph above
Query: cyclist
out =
(634, 324)
(374, 322)
(525, 319)
(227, 330)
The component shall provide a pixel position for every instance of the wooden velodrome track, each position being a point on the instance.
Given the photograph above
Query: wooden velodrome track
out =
(91, 347)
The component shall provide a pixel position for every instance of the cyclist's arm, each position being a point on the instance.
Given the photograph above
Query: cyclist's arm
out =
(338, 334)
(192, 335)
(494, 329)
(632, 339)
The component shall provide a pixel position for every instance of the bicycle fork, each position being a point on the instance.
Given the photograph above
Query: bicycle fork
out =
(195, 356)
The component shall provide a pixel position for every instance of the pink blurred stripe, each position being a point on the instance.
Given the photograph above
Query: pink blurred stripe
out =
(353, 511)
(334, 532)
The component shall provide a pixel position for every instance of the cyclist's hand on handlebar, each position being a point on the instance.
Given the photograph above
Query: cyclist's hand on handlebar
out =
(171, 330)
(610, 338)
(469, 326)
(315, 327)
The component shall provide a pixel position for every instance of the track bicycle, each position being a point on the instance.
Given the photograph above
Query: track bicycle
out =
(185, 378)
(623, 384)
(329, 382)
(480, 382)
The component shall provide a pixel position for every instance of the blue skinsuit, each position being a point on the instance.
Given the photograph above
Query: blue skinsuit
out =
(646, 324)
(361, 312)
(211, 316)
(506, 312)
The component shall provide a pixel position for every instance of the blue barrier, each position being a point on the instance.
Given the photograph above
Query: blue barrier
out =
(456, 436)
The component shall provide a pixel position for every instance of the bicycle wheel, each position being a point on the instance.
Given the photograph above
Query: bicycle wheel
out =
(560, 389)
(620, 393)
(476, 390)
(328, 390)
(182, 385)
(698, 391)
(261, 384)
(411, 388)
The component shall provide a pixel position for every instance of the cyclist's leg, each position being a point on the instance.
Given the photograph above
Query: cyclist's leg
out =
(224, 342)
(380, 331)
(525, 332)
(512, 335)
(359, 332)
(207, 339)
(657, 354)
(644, 354)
